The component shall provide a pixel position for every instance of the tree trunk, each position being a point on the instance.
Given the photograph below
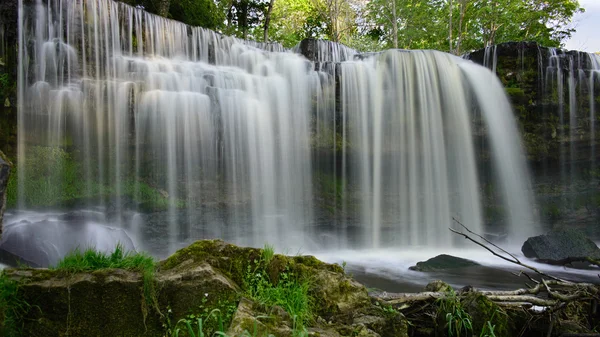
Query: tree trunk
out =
(268, 20)
(162, 7)
(450, 27)
(463, 10)
(394, 24)
(230, 16)
(243, 18)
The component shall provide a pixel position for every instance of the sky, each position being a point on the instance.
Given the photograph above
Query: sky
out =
(587, 36)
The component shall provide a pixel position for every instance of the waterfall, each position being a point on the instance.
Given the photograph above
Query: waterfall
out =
(248, 141)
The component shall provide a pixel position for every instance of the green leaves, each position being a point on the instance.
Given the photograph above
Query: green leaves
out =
(425, 24)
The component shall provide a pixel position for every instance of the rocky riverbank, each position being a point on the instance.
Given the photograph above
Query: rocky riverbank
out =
(254, 292)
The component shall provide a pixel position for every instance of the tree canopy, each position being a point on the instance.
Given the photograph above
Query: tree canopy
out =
(449, 25)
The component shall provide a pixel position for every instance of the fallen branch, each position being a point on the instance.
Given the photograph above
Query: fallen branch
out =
(513, 258)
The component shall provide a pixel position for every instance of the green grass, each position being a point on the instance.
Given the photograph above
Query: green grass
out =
(457, 320)
(12, 307)
(290, 292)
(91, 260)
(195, 327)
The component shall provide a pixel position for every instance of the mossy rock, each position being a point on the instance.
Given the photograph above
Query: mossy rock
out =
(191, 288)
(82, 304)
(336, 292)
(438, 286)
(443, 262)
(483, 310)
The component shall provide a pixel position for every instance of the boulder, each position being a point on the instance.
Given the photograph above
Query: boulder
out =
(101, 303)
(4, 173)
(44, 243)
(561, 246)
(443, 262)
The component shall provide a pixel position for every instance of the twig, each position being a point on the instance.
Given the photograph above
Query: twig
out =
(514, 260)
(486, 240)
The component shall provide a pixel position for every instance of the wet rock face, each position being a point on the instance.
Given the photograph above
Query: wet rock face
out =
(443, 262)
(561, 246)
(4, 173)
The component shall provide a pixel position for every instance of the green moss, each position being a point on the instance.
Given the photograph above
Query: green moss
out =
(482, 311)
(233, 261)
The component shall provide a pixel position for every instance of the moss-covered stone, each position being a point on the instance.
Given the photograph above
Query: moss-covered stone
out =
(482, 311)
(443, 262)
(82, 304)
(204, 276)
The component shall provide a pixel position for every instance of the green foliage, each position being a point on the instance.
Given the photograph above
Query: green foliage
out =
(12, 307)
(425, 24)
(208, 321)
(457, 320)
(488, 328)
(202, 13)
(290, 292)
(294, 20)
(91, 260)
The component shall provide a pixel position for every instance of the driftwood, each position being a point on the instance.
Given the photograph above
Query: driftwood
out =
(546, 299)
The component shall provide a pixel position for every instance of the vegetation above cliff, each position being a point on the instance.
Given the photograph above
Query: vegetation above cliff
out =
(447, 25)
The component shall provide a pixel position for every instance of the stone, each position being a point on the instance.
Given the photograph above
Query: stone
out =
(44, 243)
(4, 174)
(101, 303)
(443, 262)
(560, 247)
(248, 319)
(194, 285)
(438, 286)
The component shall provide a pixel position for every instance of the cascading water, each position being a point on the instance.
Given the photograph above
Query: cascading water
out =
(578, 72)
(555, 92)
(226, 131)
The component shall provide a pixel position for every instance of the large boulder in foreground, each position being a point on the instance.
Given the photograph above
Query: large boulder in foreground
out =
(561, 246)
(443, 262)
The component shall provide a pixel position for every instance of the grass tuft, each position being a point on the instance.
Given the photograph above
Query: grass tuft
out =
(290, 292)
(12, 307)
(91, 260)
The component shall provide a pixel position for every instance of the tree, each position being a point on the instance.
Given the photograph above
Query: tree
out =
(410, 24)
(421, 23)
(268, 20)
(202, 13)
(294, 20)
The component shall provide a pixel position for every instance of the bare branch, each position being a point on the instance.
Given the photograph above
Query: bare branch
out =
(486, 240)
(513, 260)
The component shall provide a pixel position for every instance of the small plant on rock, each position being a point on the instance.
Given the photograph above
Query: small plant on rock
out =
(457, 320)
(289, 292)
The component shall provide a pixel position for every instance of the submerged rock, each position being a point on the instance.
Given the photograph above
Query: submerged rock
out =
(443, 262)
(561, 246)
